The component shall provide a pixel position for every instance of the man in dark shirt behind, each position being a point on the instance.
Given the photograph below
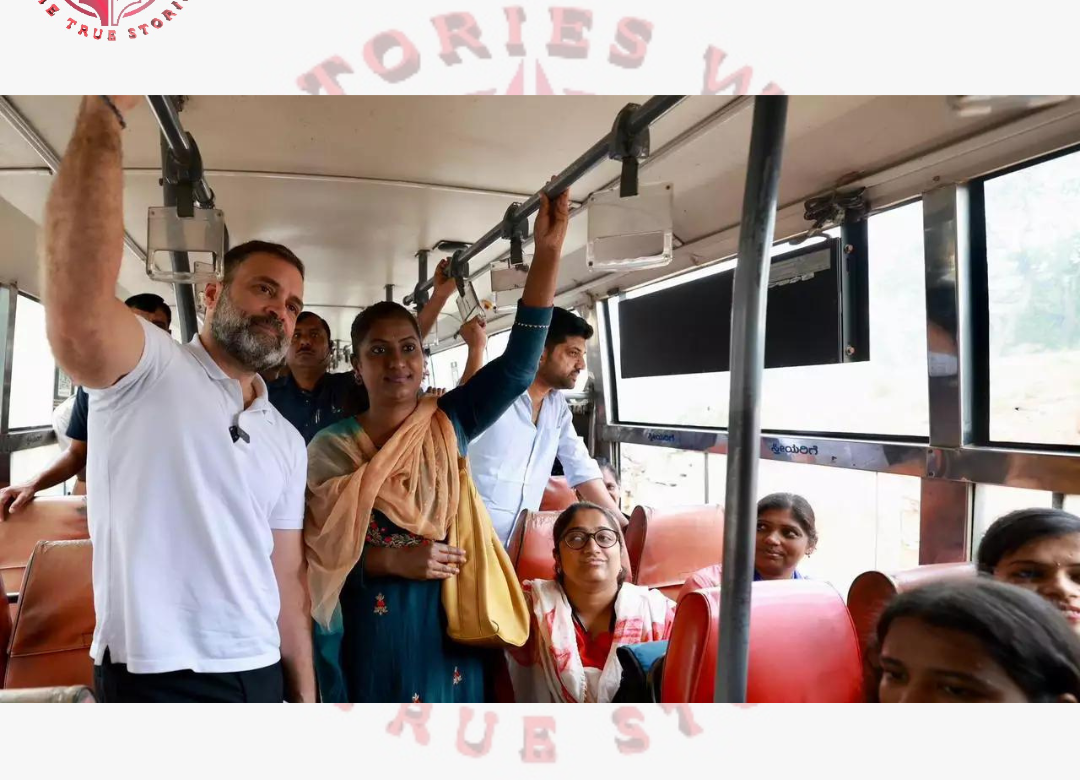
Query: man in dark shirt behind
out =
(308, 396)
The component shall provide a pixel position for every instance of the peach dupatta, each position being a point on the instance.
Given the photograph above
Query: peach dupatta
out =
(413, 480)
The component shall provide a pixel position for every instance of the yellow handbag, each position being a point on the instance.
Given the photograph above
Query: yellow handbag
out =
(484, 603)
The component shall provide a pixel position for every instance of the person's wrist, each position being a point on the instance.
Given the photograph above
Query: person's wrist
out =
(104, 107)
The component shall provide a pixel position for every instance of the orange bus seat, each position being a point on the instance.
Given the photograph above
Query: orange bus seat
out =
(76, 694)
(871, 592)
(531, 547)
(558, 495)
(5, 631)
(803, 647)
(42, 520)
(668, 545)
(54, 627)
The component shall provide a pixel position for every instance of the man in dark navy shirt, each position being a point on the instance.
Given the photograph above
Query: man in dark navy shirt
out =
(307, 396)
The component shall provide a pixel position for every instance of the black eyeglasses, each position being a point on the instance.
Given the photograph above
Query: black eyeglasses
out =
(605, 538)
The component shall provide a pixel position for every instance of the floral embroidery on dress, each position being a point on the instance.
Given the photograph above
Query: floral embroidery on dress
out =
(380, 605)
(457, 676)
(381, 536)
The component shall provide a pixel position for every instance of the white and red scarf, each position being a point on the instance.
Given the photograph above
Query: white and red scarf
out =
(549, 667)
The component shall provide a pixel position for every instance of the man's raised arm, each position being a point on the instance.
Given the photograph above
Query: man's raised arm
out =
(94, 337)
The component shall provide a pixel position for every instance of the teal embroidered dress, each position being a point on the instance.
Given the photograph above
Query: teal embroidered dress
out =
(387, 639)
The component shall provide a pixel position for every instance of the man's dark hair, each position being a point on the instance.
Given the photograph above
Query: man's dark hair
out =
(1024, 634)
(307, 315)
(564, 325)
(149, 303)
(1011, 532)
(238, 254)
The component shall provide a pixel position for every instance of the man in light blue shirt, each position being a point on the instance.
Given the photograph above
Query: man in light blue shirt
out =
(511, 461)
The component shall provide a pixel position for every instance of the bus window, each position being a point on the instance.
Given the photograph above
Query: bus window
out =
(447, 367)
(993, 501)
(661, 476)
(885, 395)
(496, 345)
(865, 520)
(1033, 278)
(33, 370)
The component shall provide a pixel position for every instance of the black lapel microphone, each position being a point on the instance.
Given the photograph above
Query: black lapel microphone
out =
(239, 433)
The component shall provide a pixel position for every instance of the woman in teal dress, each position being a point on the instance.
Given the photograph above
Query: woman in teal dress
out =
(383, 492)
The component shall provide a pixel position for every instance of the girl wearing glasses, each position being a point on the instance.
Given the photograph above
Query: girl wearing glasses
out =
(580, 618)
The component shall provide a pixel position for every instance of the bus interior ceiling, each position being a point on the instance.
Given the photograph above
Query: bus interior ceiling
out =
(357, 186)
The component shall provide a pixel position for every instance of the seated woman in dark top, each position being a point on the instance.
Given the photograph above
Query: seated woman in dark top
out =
(1037, 549)
(786, 533)
(383, 495)
(975, 641)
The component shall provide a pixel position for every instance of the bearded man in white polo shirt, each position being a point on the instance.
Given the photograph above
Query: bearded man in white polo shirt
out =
(196, 483)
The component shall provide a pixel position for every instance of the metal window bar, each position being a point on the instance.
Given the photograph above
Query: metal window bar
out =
(643, 117)
(747, 368)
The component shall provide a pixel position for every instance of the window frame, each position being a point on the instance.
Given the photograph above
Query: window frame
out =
(979, 308)
(857, 289)
(23, 437)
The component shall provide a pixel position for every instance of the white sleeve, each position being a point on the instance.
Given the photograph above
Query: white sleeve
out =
(159, 350)
(288, 515)
(578, 465)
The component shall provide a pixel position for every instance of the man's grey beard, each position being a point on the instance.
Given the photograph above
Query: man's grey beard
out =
(235, 331)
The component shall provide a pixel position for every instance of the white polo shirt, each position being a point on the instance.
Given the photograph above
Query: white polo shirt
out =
(181, 516)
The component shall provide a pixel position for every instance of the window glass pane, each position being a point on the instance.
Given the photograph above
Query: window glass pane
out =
(27, 464)
(446, 368)
(865, 521)
(496, 344)
(660, 476)
(33, 370)
(1072, 504)
(885, 395)
(993, 501)
(1033, 266)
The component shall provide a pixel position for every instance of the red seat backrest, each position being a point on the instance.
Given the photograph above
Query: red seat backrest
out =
(668, 545)
(5, 630)
(558, 495)
(871, 592)
(54, 627)
(803, 646)
(531, 546)
(43, 519)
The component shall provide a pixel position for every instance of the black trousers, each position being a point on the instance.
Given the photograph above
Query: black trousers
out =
(114, 683)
